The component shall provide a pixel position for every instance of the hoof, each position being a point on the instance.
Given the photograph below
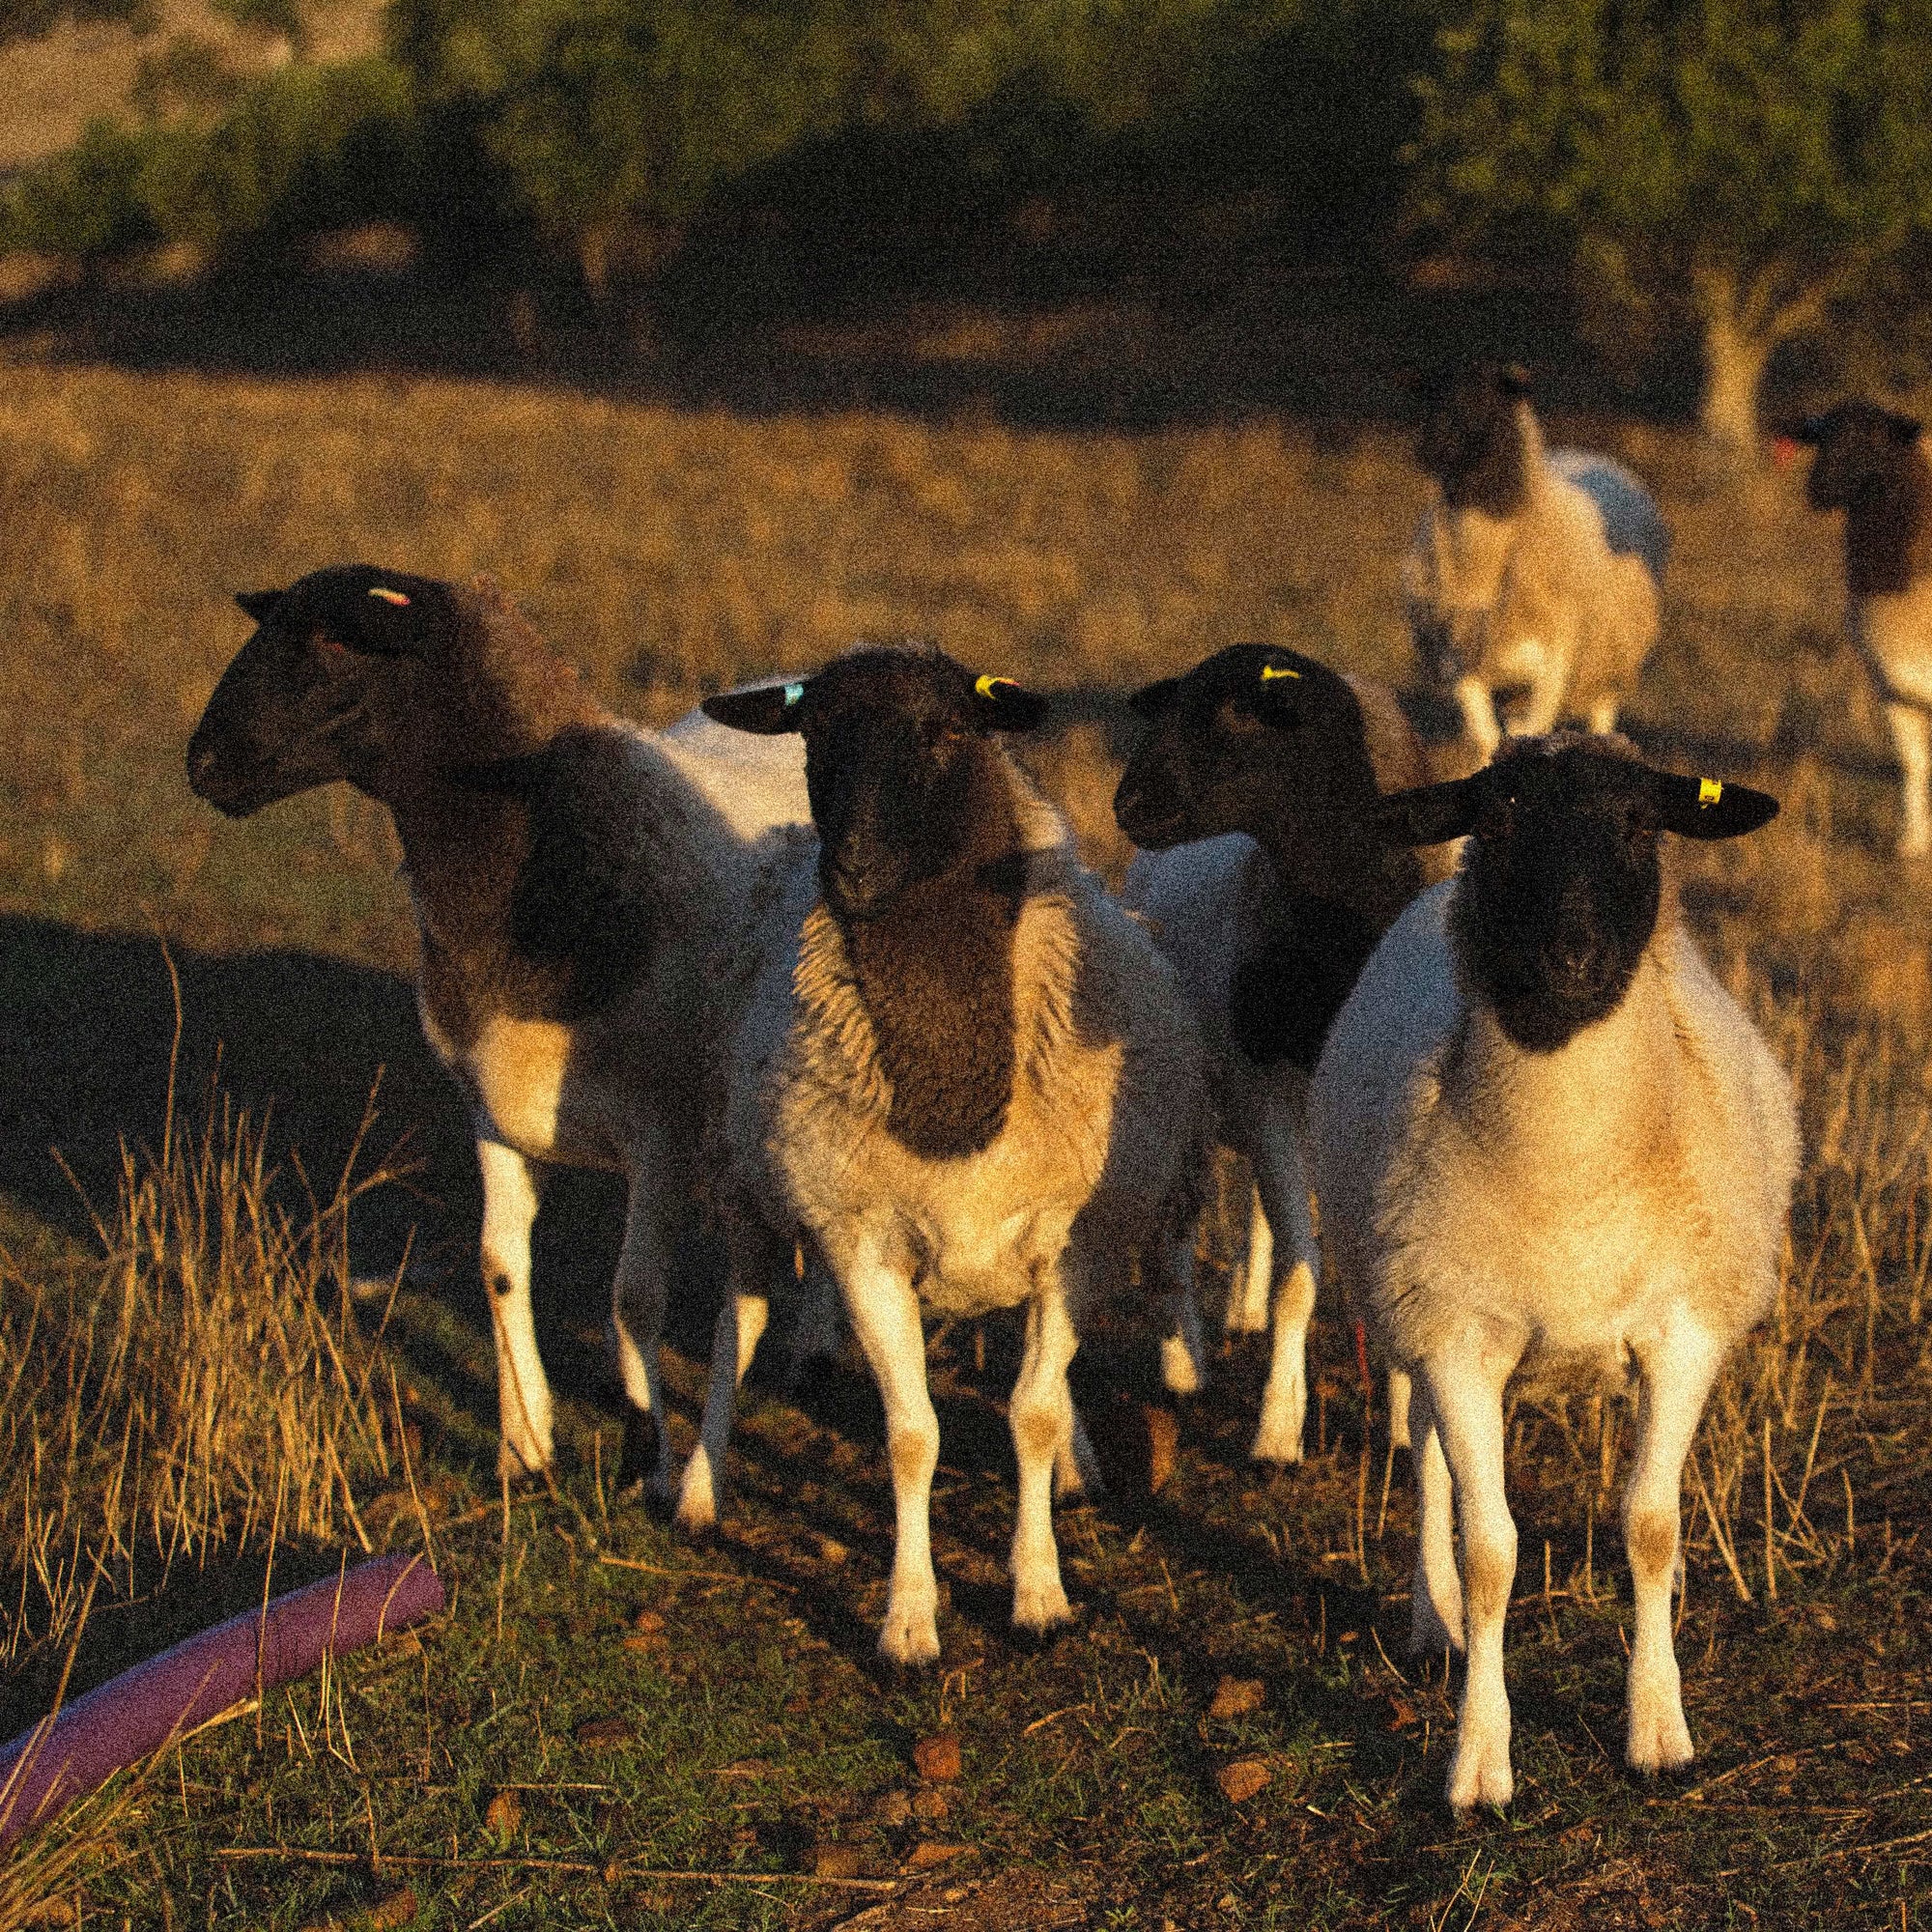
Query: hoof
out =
(910, 1640)
(1040, 1607)
(697, 1513)
(533, 1463)
(1658, 1742)
(1481, 1777)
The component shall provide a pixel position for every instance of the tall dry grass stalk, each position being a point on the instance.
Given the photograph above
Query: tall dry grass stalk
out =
(205, 1387)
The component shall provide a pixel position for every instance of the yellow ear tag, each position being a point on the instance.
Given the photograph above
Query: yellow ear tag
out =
(387, 595)
(986, 686)
(1709, 792)
(1278, 670)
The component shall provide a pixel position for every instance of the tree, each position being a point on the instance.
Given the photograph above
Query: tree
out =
(1747, 161)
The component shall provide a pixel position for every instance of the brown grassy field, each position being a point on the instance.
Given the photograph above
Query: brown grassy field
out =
(666, 549)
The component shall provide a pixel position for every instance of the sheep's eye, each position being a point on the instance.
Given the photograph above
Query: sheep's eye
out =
(1496, 820)
(330, 650)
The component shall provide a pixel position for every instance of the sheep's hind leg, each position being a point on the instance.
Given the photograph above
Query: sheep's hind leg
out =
(742, 1314)
(883, 1312)
(1676, 1378)
(1466, 1398)
(522, 1392)
(1248, 1297)
(1042, 1419)
(1912, 739)
(1284, 1196)
(636, 1322)
(1435, 1593)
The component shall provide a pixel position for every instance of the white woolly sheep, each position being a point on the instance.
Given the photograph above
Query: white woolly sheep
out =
(577, 884)
(1252, 795)
(1546, 1139)
(1872, 466)
(963, 1070)
(1529, 566)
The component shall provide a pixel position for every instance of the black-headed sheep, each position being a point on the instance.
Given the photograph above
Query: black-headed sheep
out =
(1871, 465)
(577, 885)
(1547, 1141)
(1252, 795)
(1531, 566)
(963, 1070)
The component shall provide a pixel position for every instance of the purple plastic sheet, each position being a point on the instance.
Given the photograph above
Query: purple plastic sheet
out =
(119, 1723)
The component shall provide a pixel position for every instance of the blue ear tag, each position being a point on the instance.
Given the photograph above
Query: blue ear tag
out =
(793, 693)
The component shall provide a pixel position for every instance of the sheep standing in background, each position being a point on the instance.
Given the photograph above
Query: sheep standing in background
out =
(963, 1070)
(1546, 1139)
(577, 884)
(1871, 465)
(1252, 795)
(1532, 566)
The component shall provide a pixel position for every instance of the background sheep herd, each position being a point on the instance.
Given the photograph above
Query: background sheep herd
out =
(615, 1725)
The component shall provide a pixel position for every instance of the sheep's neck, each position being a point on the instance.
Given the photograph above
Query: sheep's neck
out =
(935, 974)
(535, 891)
(1889, 530)
(1338, 894)
(1597, 1105)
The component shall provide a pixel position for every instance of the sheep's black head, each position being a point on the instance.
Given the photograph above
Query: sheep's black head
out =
(903, 780)
(314, 694)
(1561, 883)
(1470, 438)
(1254, 739)
(1860, 447)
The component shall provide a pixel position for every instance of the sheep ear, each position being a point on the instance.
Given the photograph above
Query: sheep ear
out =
(1707, 808)
(259, 605)
(1151, 701)
(999, 704)
(1430, 814)
(769, 710)
(1514, 380)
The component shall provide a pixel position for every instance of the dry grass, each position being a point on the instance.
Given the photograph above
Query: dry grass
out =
(203, 1388)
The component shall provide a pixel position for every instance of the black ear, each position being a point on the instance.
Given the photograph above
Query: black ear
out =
(1705, 808)
(999, 704)
(770, 710)
(1151, 699)
(259, 605)
(1513, 379)
(1809, 430)
(1430, 814)
(1903, 428)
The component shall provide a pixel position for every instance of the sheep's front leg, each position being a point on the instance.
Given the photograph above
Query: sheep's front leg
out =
(1435, 1593)
(1042, 1419)
(1284, 1196)
(636, 1322)
(1677, 1375)
(883, 1312)
(1912, 739)
(1465, 1391)
(523, 1393)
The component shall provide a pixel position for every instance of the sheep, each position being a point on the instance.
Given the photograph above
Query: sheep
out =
(576, 884)
(963, 1069)
(1528, 566)
(1263, 881)
(1871, 466)
(1547, 1139)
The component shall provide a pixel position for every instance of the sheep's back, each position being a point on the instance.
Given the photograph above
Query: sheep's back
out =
(1631, 524)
